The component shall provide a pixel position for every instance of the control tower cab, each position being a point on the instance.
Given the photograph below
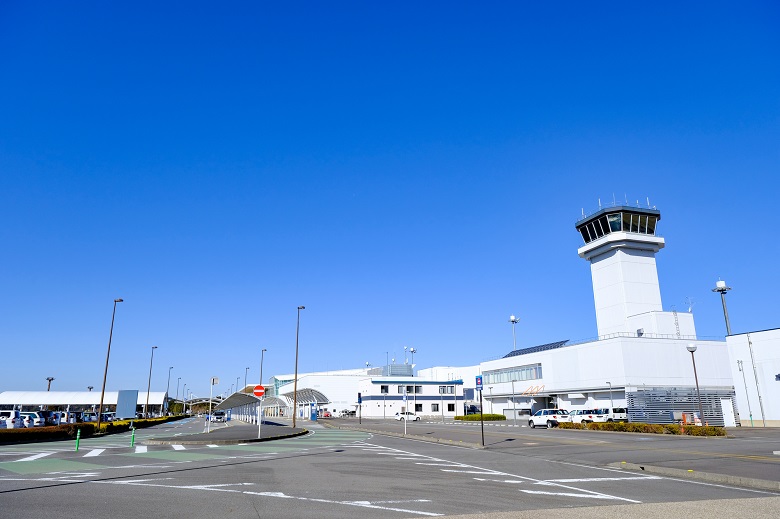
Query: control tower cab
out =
(621, 243)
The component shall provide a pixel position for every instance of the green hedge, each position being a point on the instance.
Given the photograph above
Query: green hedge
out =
(68, 431)
(636, 427)
(477, 418)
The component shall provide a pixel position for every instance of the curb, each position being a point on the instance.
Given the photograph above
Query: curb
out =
(427, 439)
(223, 442)
(711, 477)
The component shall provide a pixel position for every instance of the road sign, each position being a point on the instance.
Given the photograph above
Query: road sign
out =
(259, 391)
(479, 382)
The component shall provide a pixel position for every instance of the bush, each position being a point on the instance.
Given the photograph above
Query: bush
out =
(477, 418)
(648, 428)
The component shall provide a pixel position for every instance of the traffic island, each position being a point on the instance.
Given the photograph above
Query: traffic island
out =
(234, 434)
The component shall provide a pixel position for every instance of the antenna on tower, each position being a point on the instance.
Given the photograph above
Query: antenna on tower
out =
(648, 202)
(614, 202)
(583, 212)
(626, 197)
(599, 203)
(689, 302)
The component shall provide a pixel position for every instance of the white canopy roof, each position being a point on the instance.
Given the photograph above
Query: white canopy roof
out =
(62, 398)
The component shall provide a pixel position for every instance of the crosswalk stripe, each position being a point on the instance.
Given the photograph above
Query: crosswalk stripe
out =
(35, 456)
(178, 447)
(94, 452)
(140, 449)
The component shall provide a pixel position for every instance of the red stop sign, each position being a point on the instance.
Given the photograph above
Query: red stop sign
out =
(259, 390)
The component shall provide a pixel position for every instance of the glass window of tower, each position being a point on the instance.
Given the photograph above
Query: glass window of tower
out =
(651, 225)
(635, 223)
(614, 222)
(626, 222)
(642, 224)
(584, 232)
(604, 224)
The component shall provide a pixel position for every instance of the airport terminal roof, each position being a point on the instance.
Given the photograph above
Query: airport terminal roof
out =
(534, 349)
(63, 398)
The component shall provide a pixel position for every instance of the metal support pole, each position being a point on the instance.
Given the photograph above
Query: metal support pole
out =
(295, 381)
(750, 411)
(514, 404)
(149, 385)
(698, 394)
(481, 418)
(755, 375)
(105, 372)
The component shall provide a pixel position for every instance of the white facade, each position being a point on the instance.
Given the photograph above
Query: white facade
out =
(758, 383)
(383, 397)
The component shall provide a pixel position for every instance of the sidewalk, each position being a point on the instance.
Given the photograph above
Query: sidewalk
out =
(232, 433)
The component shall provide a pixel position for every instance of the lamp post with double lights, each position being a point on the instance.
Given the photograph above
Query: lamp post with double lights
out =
(692, 348)
(49, 379)
(184, 399)
(178, 381)
(90, 388)
(514, 320)
(108, 354)
(149, 384)
(295, 378)
(246, 372)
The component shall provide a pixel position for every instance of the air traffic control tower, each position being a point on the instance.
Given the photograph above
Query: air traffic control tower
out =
(621, 243)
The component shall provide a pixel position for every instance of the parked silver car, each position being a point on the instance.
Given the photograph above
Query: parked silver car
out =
(33, 419)
(11, 419)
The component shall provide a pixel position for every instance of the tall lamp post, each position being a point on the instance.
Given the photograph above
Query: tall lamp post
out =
(295, 382)
(412, 351)
(514, 404)
(90, 388)
(262, 355)
(177, 387)
(611, 403)
(692, 348)
(168, 388)
(514, 320)
(720, 287)
(184, 399)
(246, 372)
(108, 354)
(149, 384)
(49, 379)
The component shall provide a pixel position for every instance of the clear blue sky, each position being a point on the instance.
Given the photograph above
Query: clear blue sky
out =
(410, 172)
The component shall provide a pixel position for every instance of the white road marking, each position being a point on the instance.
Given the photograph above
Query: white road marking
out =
(486, 472)
(36, 456)
(363, 504)
(178, 447)
(140, 449)
(440, 464)
(572, 494)
(499, 480)
(212, 446)
(584, 480)
(94, 452)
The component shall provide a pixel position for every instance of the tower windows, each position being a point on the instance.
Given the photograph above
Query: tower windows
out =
(618, 222)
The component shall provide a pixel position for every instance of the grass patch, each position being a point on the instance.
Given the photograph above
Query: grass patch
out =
(648, 428)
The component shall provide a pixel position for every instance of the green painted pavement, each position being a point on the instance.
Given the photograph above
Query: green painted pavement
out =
(48, 465)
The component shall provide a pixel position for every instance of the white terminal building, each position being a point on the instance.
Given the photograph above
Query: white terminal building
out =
(643, 359)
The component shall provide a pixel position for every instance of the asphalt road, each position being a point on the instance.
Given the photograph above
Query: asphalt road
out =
(334, 472)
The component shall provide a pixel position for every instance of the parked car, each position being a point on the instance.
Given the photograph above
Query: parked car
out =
(548, 418)
(89, 416)
(582, 415)
(49, 418)
(614, 414)
(11, 419)
(218, 416)
(32, 419)
(326, 414)
(407, 415)
(470, 409)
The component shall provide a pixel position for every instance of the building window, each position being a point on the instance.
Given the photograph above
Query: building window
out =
(418, 408)
(434, 408)
(400, 390)
(384, 389)
(450, 408)
(446, 390)
(418, 389)
(518, 373)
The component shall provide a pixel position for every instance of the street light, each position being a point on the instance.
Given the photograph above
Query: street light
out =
(48, 388)
(177, 388)
(412, 351)
(611, 403)
(720, 286)
(514, 404)
(246, 372)
(184, 399)
(168, 388)
(262, 355)
(491, 399)
(692, 347)
(149, 384)
(514, 320)
(90, 387)
(105, 372)
(295, 382)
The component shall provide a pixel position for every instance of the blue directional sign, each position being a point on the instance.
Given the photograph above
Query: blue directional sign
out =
(479, 382)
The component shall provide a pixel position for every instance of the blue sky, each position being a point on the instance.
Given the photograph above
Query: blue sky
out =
(411, 173)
